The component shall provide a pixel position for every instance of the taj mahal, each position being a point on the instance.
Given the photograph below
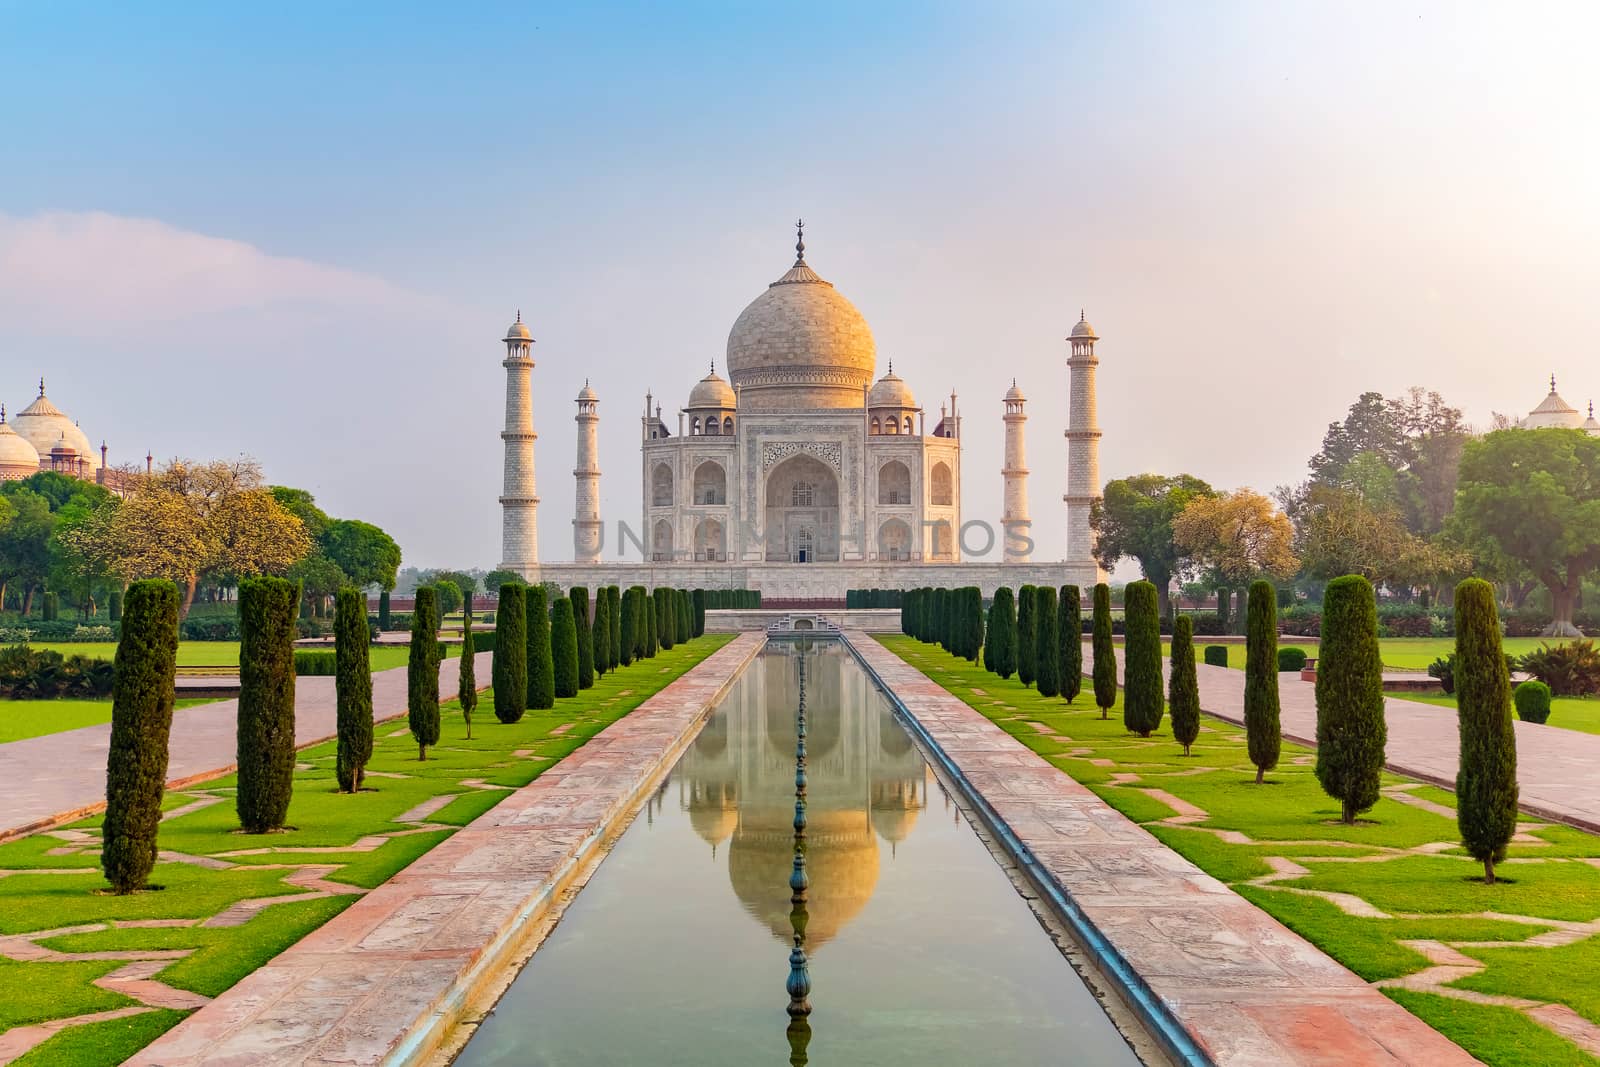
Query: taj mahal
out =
(802, 473)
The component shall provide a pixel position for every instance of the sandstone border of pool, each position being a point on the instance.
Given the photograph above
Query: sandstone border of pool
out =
(388, 979)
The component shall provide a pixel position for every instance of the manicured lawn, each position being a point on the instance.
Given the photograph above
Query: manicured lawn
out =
(1399, 653)
(63, 891)
(1569, 713)
(1413, 875)
(35, 718)
(223, 653)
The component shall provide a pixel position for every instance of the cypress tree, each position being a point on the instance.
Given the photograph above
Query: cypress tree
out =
(699, 612)
(614, 613)
(1351, 731)
(1069, 615)
(541, 666)
(976, 621)
(685, 617)
(422, 671)
(600, 637)
(665, 617)
(141, 725)
(1027, 636)
(1003, 632)
(352, 643)
(564, 648)
(629, 646)
(988, 640)
(1223, 595)
(652, 626)
(579, 596)
(383, 610)
(267, 610)
(1142, 700)
(1183, 688)
(1105, 653)
(936, 620)
(1261, 727)
(510, 671)
(1047, 642)
(51, 607)
(114, 606)
(1486, 781)
(467, 680)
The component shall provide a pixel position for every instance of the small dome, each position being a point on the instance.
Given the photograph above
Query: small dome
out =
(587, 393)
(44, 426)
(1083, 329)
(891, 391)
(17, 457)
(1589, 424)
(712, 392)
(1553, 412)
(1014, 393)
(518, 331)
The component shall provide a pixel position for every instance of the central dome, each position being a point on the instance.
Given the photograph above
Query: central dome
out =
(800, 345)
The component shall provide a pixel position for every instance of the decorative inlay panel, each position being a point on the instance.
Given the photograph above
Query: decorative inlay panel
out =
(775, 452)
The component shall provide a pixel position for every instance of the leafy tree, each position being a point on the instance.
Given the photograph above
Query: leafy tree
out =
(1351, 730)
(1340, 533)
(449, 596)
(383, 611)
(352, 687)
(1486, 781)
(303, 506)
(422, 672)
(1069, 610)
(1047, 642)
(25, 543)
(1238, 536)
(467, 679)
(1533, 496)
(1003, 632)
(141, 725)
(541, 666)
(509, 672)
(1183, 686)
(496, 578)
(1105, 653)
(1134, 519)
(267, 609)
(320, 578)
(579, 596)
(1263, 732)
(1142, 700)
(363, 551)
(564, 648)
(1027, 635)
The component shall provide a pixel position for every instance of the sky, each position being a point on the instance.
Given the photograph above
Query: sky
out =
(298, 231)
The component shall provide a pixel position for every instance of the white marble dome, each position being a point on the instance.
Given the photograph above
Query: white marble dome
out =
(891, 391)
(1083, 331)
(1590, 425)
(518, 331)
(44, 426)
(1553, 413)
(18, 458)
(712, 392)
(801, 345)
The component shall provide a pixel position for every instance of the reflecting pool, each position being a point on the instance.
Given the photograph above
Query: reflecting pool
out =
(683, 947)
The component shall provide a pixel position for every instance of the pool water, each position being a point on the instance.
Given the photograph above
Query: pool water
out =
(917, 947)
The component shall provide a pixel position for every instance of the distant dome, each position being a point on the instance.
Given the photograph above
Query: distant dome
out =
(891, 391)
(587, 393)
(1014, 393)
(1083, 329)
(1590, 424)
(18, 458)
(712, 392)
(44, 426)
(518, 331)
(1553, 413)
(801, 345)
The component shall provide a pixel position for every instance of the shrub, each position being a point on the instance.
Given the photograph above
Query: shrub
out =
(631, 644)
(509, 672)
(44, 674)
(1003, 632)
(353, 688)
(422, 672)
(1047, 647)
(1207, 626)
(1351, 731)
(1142, 702)
(1183, 686)
(1069, 627)
(666, 618)
(114, 606)
(1570, 670)
(1486, 782)
(141, 726)
(1105, 653)
(564, 648)
(467, 677)
(1291, 659)
(51, 607)
(614, 613)
(579, 596)
(316, 663)
(652, 626)
(483, 640)
(211, 627)
(1444, 669)
(1216, 655)
(383, 610)
(267, 608)
(974, 617)
(1263, 732)
(1027, 635)
(1533, 701)
(541, 664)
(685, 617)
(600, 635)
(699, 607)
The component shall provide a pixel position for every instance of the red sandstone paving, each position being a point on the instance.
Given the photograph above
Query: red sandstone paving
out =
(1558, 771)
(395, 961)
(62, 776)
(1250, 991)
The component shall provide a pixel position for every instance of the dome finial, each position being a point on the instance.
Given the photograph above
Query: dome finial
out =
(41, 385)
(1552, 383)
(799, 242)
(1083, 315)
(3, 412)
(891, 366)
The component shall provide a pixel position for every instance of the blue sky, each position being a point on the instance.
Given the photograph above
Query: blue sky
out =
(298, 233)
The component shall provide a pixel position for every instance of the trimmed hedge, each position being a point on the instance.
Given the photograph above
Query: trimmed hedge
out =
(579, 596)
(1291, 659)
(1003, 632)
(1216, 655)
(509, 673)
(1069, 626)
(384, 619)
(1027, 635)
(265, 754)
(353, 687)
(1047, 636)
(541, 665)
(600, 633)
(1351, 730)
(1533, 701)
(315, 663)
(1105, 653)
(564, 648)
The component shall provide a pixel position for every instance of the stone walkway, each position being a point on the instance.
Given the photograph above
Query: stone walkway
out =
(386, 979)
(1558, 770)
(46, 781)
(1250, 991)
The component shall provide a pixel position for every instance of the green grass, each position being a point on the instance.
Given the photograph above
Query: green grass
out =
(1429, 896)
(36, 898)
(1569, 713)
(35, 718)
(221, 653)
(1399, 653)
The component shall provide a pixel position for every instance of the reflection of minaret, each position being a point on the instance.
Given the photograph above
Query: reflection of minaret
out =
(1014, 522)
(586, 529)
(519, 502)
(799, 983)
(1083, 449)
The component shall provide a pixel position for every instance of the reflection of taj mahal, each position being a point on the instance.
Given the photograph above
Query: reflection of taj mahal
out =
(866, 785)
(799, 474)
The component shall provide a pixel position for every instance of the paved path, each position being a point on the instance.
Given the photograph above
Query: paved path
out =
(1558, 770)
(1250, 991)
(45, 781)
(386, 980)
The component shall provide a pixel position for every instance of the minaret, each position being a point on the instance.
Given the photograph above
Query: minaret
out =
(1083, 450)
(519, 502)
(586, 529)
(1014, 521)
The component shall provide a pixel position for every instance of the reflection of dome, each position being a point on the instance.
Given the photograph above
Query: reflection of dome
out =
(841, 860)
(891, 391)
(45, 426)
(714, 813)
(1083, 330)
(18, 458)
(711, 392)
(801, 345)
